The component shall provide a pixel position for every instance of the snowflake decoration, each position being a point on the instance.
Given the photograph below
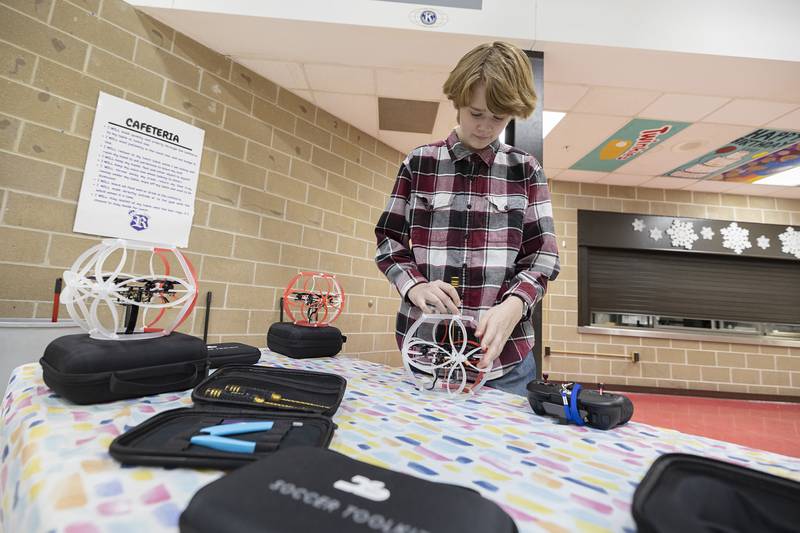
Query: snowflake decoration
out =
(790, 242)
(707, 233)
(682, 234)
(735, 238)
(638, 224)
(656, 234)
(763, 242)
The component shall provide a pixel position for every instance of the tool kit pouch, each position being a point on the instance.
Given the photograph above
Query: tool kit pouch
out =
(241, 414)
(683, 492)
(230, 353)
(303, 342)
(299, 490)
(87, 371)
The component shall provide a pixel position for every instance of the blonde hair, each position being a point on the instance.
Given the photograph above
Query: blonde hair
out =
(504, 69)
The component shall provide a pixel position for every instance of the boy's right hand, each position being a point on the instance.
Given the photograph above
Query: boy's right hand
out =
(435, 297)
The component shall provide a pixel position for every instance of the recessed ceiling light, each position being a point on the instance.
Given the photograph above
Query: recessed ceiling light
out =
(787, 177)
(549, 121)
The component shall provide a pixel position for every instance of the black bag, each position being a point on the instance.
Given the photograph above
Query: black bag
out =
(303, 342)
(298, 403)
(86, 371)
(682, 493)
(230, 353)
(303, 490)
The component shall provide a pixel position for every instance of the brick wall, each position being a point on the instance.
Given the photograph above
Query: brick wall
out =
(727, 367)
(284, 186)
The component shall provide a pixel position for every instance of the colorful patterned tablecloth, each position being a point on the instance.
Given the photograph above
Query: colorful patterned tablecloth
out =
(56, 474)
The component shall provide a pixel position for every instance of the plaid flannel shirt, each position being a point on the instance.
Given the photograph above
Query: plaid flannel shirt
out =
(482, 217)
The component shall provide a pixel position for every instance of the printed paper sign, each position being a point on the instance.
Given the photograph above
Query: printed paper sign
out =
(141, 173)
(741, 151)
(634, 139)
(778, 161)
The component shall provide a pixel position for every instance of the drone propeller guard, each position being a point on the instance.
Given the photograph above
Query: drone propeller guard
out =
(313, 299)
(89, 286)
(439, 356)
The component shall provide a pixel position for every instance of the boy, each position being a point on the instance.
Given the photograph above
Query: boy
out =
(474, 210)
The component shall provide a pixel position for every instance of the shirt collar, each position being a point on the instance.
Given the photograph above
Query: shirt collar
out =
(458, 150)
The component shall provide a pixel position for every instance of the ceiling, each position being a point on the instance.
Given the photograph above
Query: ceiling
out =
(345, 69)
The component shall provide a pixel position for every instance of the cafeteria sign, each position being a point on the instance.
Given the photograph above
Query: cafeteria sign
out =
(631, 141)
(741, 151)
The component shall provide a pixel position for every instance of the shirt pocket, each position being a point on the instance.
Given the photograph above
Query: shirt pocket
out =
(505, 218)
(430, 217)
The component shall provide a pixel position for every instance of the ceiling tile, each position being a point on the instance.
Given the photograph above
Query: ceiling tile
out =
(754, 189)
(361, 110)
(615, 101)
(712, 186)
(624, 179)
(561, 96)
(286, 74)
(403, 141)
(749, 112)
(683, 107)
(686, 145)
(410, 84)
(551, 173)
(668, 183)
(414, 116)
(340, 79)
(789, 192)
(790, 121)
(308, 95)
(586, 176)
(576, 135)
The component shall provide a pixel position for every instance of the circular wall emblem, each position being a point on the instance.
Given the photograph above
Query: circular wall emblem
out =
(428, 18)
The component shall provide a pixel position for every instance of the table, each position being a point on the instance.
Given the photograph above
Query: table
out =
(56, 474)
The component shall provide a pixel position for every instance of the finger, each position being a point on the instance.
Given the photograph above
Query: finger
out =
(452, 293)
(449, 302)
(479, 331)
(488, 336)
(445, 301)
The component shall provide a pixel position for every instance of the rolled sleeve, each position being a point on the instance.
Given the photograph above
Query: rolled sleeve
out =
(393, 255)
(537, 261)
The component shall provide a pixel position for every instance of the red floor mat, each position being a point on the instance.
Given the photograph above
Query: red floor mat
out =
(771, 426)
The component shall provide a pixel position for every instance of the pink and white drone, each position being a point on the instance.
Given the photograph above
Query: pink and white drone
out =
(93, 289)
(440, 355)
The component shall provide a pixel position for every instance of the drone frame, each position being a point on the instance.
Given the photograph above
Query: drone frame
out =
(313, 299)
(88, 284)
(443, 365)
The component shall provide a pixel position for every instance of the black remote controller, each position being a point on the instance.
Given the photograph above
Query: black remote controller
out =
(598, 410)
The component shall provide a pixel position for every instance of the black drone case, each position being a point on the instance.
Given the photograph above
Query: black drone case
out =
(300, 404)
(86, 371)
(232, 353)
(302, 490)
(303, 342)
(682, 493)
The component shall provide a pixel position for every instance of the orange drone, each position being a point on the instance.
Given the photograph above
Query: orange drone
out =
(313, 299)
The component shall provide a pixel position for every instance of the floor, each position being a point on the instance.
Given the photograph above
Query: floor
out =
(770, 426)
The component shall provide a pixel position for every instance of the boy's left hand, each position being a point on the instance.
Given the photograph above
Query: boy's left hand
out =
(495, 326)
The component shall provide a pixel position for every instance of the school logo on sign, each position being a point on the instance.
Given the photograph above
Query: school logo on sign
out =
(139, 221)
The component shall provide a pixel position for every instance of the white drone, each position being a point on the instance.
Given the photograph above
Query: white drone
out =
(440, 357)
(89, 286)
